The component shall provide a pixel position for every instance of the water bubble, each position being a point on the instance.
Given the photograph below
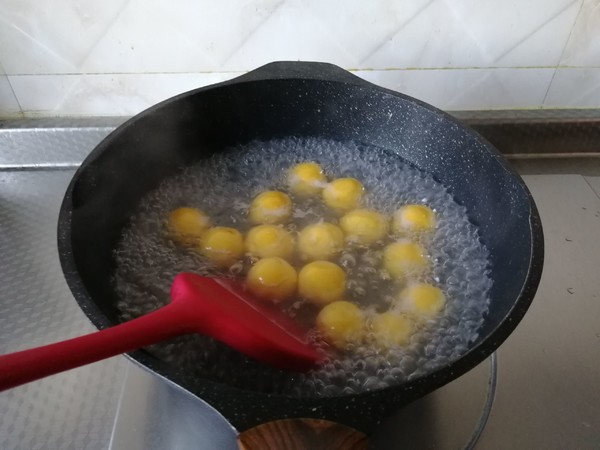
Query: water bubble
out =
(224, 184)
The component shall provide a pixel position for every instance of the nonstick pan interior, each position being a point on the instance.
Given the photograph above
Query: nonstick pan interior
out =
(305, 100)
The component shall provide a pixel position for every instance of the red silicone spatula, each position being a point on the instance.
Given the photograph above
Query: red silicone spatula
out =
(198, 305)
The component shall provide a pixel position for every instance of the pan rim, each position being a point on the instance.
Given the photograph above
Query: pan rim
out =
(472, 357)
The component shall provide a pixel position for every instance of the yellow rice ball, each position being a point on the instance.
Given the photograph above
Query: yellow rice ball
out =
(321, 282)
(363, 226)
(272, 279)
(422, 299)
(392, 329)
(341, 323)
(413, 218)
(264, 241)
(320, 241)
(343, 194)
(404, 258)
(306, 179)
(222, 245)
(187, 225)
(270, 207)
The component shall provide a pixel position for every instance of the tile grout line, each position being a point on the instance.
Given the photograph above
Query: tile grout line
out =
(108, 27)
(562, 53)
(395, 32)
(316, 18)
(452, 101)
(352, 69)
(66, 95)
(12, 89)
(510, 49)
(36, 41)
(251, 33)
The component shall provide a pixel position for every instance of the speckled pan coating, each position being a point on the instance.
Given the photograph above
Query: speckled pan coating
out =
(301, 99)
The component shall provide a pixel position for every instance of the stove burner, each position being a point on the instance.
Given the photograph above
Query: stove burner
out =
(155, 415)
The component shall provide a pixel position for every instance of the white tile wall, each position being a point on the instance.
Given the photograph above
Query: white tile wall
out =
(103, 94)
(84, 57)
(480, 33)
(52, 36)
(583, 46)
(8, 100)
(464, 89)
(574, 88)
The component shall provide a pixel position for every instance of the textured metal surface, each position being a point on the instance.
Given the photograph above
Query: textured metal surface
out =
(538, 132)
(528, 115)
(75, 409)
(30, 148)
(27, 143)
(546, 396)
(155, 415)
(82, 123)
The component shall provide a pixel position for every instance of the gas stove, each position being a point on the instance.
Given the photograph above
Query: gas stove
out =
(539, 390)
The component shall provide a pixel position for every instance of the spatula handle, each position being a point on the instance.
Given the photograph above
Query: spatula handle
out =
(29, 365)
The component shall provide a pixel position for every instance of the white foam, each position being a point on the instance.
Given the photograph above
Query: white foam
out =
(224, 185)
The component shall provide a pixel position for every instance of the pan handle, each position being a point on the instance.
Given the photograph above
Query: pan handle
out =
(302, 434)
(281, 70)
(35, 363)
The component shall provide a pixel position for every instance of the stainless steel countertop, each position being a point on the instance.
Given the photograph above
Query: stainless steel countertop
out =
(540, 391)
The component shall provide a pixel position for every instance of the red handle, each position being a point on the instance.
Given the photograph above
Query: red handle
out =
(29, 365)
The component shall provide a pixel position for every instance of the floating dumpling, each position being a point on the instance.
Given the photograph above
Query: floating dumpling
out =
(306, 179)
(223, 246)
(421, 299)
(320, 241)
(340, 323)
(270, 207)
(321, 282)
(343, 194)
(364, 226)
(404, 258)
(413, 219)
(186, 225)
(392, 329)
(264, 241)
(272, 279)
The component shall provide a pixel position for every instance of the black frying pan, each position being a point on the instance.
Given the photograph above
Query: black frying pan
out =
(301, 99)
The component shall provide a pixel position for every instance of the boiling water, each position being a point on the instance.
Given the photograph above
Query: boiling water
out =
(224, 185)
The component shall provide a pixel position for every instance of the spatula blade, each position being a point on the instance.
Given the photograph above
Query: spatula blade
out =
(226, 312)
